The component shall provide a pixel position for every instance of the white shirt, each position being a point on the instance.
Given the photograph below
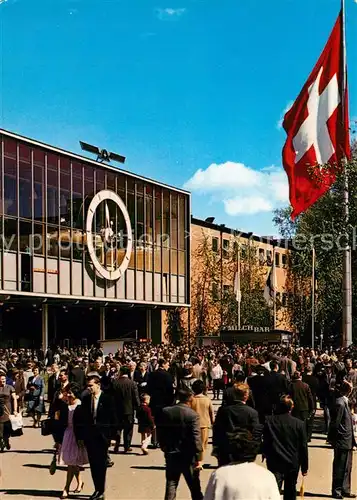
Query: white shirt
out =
(217, 372)
(247, 481)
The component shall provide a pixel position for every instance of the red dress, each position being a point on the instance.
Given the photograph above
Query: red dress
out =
(145, 419)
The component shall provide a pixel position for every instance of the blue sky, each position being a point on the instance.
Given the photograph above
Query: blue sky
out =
(191, 91)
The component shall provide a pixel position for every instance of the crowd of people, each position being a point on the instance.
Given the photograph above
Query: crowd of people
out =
(269, 395)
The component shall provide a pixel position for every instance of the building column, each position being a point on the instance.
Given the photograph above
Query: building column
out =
(148, 324)
(45, 327)
(102, 323)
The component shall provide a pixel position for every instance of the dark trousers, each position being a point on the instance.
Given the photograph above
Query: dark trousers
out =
(289, 479)
(125, 426)
(97, 454)
(217, 386)
(310, 426)
(176, 465)
(341, 471)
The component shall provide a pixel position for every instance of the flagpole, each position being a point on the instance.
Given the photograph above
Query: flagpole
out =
(238, 287)
(274, 289)
(347, 282)
(313, 298)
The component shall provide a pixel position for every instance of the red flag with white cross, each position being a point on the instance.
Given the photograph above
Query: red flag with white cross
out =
(317, 127)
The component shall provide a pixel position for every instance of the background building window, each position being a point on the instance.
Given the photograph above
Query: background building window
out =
(225, 249)
(226, 290)
(269, 257)
(285, 300)
(214, 244)
(277, 259)
(284, 259)
(261, 256)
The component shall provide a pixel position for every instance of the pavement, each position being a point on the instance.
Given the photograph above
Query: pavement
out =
(25, 471)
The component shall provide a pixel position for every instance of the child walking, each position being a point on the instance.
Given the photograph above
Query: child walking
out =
(146, 423)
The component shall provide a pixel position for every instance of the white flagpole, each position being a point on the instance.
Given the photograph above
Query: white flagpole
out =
(238, 292)
(347, 281)
(274, 288)
(313, 299)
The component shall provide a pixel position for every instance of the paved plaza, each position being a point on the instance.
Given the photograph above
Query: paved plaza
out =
(25, 472)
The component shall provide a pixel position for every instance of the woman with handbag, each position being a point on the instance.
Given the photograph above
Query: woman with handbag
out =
(69, 452)
(8, 403)
(35, 396)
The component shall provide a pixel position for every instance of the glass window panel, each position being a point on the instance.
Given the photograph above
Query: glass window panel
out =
(165, 260)
(10, 186)
(111, 181)
(38, 156)
(38, 195)
(165, 237)
(121, 186)
(140, 215)
(10, 147)
(99, 180)
(158, 216)
(148, 221)
(38, 240)
(157, 259)
(148, 258)
(25, 152)
(25, 200)
(65, 193)
(174, 205)
(10, 234)
(52, 194)
(88, 187)
(52, 241)
(174, 262)
(25, 236)
(182, 267)
(77, 194)
(77, 239)
(52, 161)
(182, 228)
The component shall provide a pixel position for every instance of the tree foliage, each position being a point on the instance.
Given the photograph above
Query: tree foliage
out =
(324, 227)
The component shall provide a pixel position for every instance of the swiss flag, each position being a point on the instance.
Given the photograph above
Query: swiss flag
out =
(317, 127)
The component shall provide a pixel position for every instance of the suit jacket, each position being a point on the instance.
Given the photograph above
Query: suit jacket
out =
(229, 418)
(277, 385)
(160, 388)
(285, 443)
(341, 434)
(314, 385)
(141, 380)
(77, 376)
(126, 398)
(104, 428)
(53, 386)
(202, 405)
(179, 432)
(302, 397)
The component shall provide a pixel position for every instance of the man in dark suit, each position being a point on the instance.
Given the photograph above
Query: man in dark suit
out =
(126, 400)
(285, 447)
(342, 439)
(277, 385)
(230, 417)
(258, 385)
(54, 382)
(314, 385)
(161, 391)
(94, 425)
(180, 440)
(77, 375)
(303, 401)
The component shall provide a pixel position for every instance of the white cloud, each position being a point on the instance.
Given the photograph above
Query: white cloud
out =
(169, 13)
(2, 1)
(279, 125)
(242, 189)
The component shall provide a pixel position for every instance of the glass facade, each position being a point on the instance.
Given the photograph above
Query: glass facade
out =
(45, 199)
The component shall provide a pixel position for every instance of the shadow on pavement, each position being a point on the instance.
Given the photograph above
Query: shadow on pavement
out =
(314, 495)
(148, 467)
(33, 493)
(42, 466)
(30, 452)
(326, 447)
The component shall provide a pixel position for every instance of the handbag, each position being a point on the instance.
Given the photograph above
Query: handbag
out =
(16, 423)
(47, 427)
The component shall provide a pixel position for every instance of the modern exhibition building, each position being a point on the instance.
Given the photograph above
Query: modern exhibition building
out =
(88, 251)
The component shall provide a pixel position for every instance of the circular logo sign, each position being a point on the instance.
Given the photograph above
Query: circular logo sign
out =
(107, 236)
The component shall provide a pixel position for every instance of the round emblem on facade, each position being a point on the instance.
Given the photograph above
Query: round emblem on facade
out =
(107, 238)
